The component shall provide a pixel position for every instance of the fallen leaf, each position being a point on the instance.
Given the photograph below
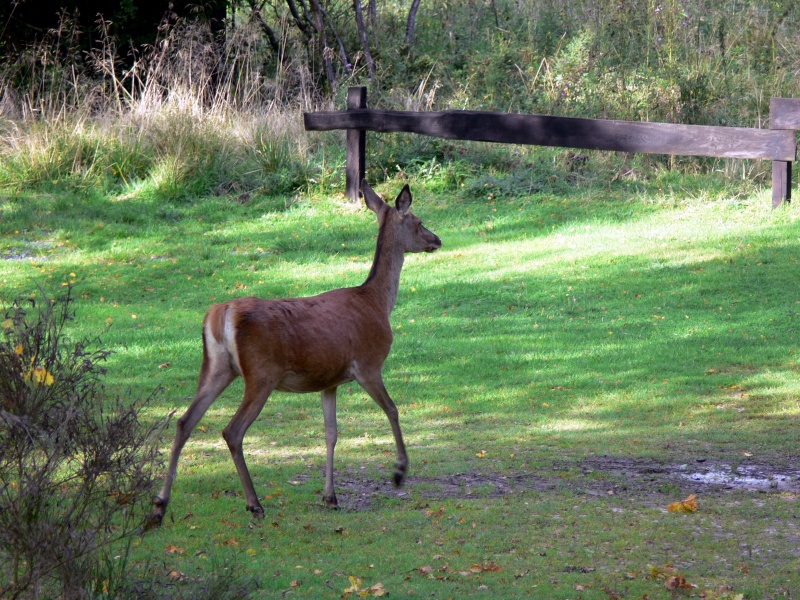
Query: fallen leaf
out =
(378, 590)
(678, 582)
(231, 541)
(355, 584)
(688, 505)
(662, 572)
(177, 576)
(172, 549)
(361, 592)
(481, 454)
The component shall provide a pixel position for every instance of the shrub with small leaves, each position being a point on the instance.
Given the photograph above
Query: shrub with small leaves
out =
(77, 468)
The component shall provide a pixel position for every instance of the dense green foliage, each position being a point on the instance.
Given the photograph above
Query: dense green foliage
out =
(690, 62)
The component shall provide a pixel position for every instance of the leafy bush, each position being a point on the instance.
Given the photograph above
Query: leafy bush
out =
(77, 469)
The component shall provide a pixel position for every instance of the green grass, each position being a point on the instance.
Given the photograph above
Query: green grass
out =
(651, 320)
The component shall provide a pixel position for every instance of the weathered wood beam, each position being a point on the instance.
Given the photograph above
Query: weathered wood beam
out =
(781, 182)
(568, 132)
(356, 167)
(784, 113)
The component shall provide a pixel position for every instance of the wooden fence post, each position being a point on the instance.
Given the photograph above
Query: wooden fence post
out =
(781, 182)
(356, 146)
(784, 113)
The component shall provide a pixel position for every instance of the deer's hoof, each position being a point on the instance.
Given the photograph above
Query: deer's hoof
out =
(398, 478)
(331, 501)
(400, 468)
(157, 516)
(258, 511)
(154, 520)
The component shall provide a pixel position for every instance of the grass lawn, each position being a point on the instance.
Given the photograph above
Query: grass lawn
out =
(568, 365)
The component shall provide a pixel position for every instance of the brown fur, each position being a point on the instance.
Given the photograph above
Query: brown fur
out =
(306, 345)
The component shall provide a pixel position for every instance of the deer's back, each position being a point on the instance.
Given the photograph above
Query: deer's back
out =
(308, 343)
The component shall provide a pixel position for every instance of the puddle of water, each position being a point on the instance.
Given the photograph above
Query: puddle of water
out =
(748, 478)
(29, 251)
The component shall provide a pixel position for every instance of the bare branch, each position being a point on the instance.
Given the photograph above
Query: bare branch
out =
(268, 31)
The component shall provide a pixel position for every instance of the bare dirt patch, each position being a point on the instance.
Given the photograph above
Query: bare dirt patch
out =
(646, 480)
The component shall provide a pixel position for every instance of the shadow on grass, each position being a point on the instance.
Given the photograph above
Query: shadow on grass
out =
(700, 354)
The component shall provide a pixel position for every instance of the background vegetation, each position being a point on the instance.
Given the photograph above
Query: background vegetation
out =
(590, 316)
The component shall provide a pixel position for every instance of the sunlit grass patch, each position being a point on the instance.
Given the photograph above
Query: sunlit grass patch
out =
(567, 331)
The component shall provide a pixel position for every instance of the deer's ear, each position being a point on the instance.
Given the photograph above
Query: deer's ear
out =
(403, 202)
(374, 202)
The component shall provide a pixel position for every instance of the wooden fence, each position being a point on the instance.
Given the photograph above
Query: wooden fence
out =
(777, 144)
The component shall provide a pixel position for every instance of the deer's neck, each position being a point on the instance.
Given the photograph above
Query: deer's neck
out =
(384, 277)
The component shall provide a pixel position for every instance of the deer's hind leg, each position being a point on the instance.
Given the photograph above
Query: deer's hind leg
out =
(256, 393)
(215, 375)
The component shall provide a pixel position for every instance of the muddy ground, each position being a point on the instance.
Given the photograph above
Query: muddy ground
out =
(648, 481)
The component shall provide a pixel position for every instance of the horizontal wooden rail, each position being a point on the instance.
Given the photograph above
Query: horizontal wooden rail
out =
(777, 144)
(568, 132)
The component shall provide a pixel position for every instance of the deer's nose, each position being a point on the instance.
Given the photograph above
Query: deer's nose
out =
(435, 244)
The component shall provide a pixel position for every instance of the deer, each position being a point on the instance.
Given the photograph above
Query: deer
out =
(303, 345)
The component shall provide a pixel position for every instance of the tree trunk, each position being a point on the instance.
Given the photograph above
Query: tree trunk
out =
(325, 50)
(412, 22)
(373, 12)
(362, 34)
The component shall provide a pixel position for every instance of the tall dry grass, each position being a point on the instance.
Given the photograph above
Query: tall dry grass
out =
(191, 116)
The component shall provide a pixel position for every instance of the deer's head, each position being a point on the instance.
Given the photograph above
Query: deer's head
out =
(405, 227)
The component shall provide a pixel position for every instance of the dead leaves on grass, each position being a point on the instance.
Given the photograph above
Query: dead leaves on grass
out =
(673, 580)
(687, 506)
(358, 591)
(444, 573)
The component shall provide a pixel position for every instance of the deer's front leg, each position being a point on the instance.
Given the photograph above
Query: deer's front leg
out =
(377, 391)
(331, 434)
